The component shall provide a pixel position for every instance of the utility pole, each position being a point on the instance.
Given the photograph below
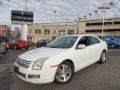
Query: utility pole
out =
(77, 23)
(103, 8)
(55, 24)
(55, 16)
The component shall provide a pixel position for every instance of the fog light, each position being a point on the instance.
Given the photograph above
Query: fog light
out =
(33, 76)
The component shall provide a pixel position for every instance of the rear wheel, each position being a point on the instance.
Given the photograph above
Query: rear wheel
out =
(15, 47)
(64, 73)
(103, 57)
(26, 48)
(112, 46)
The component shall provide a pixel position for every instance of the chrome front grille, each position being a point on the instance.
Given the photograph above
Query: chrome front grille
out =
(23, 63)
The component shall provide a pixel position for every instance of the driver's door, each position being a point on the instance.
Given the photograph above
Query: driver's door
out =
(82, 56)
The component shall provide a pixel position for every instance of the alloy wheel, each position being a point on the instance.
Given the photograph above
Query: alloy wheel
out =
(64, 73)
(103, 57)
(112, 45)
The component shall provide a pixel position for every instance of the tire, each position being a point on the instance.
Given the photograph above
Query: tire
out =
(112, 45)
(64, 73)
(26, 48)
(15, 47)
(102, 58)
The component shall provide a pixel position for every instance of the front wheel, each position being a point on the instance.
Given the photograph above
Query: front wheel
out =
(64, 73)
(103, 57)
(112, 45)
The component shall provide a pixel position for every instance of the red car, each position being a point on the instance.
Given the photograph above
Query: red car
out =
(17, 44)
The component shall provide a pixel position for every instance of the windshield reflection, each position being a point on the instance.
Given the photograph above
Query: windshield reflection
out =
(63, 42)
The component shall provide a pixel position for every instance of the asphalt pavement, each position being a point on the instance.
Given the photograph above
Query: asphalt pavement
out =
(94, 77)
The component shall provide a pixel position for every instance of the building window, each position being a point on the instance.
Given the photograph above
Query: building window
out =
(30, 31)
(37, 31)
(94, 31)
(93, 24)
(108, 23)
(117, 22)
(98, 23)
(54, 31)
(46, 31)
(70, 32)
(61, 32)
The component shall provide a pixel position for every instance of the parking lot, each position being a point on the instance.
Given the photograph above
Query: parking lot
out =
(95, 77)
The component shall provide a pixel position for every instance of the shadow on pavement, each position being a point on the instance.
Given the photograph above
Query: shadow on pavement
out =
(6, 79)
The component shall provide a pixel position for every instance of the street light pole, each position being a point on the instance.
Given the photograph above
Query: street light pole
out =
(55, 16)
(53, 37)
(77, 23)
(103, 18)
(103, 23)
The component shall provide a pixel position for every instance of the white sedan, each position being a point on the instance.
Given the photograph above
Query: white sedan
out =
(58, 60)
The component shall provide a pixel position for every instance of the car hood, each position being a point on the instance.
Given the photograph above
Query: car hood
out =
(38, 53)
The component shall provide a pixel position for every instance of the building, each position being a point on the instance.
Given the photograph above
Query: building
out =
(51, 31)
(3, 30)
(111, 27)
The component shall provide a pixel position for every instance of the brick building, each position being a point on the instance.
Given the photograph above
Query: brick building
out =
(3, 30)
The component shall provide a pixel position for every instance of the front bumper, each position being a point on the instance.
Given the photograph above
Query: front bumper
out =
(45, 75)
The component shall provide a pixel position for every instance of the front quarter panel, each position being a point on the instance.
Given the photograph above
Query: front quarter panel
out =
(54, 61)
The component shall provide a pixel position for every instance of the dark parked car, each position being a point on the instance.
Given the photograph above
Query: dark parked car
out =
(17, 44)
(42, 43)
(112, 41)
(2, 46)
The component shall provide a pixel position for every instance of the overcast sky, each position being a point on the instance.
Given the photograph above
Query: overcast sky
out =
(66, 10)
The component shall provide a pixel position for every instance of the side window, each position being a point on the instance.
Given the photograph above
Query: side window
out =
(83, 40)
(92, 40)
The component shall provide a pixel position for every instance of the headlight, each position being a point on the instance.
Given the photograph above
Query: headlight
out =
(37, 65)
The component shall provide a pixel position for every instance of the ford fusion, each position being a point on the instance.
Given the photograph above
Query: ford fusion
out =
(58, 60)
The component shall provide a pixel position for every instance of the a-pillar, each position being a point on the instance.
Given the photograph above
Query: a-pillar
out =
(24, 32)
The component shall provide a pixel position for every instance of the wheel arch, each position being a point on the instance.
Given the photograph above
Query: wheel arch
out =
(104, 50)
(70, 61)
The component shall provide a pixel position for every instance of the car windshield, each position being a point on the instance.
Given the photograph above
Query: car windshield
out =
(63, 42)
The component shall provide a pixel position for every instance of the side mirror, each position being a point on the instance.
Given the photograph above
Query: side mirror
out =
(81, 46)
